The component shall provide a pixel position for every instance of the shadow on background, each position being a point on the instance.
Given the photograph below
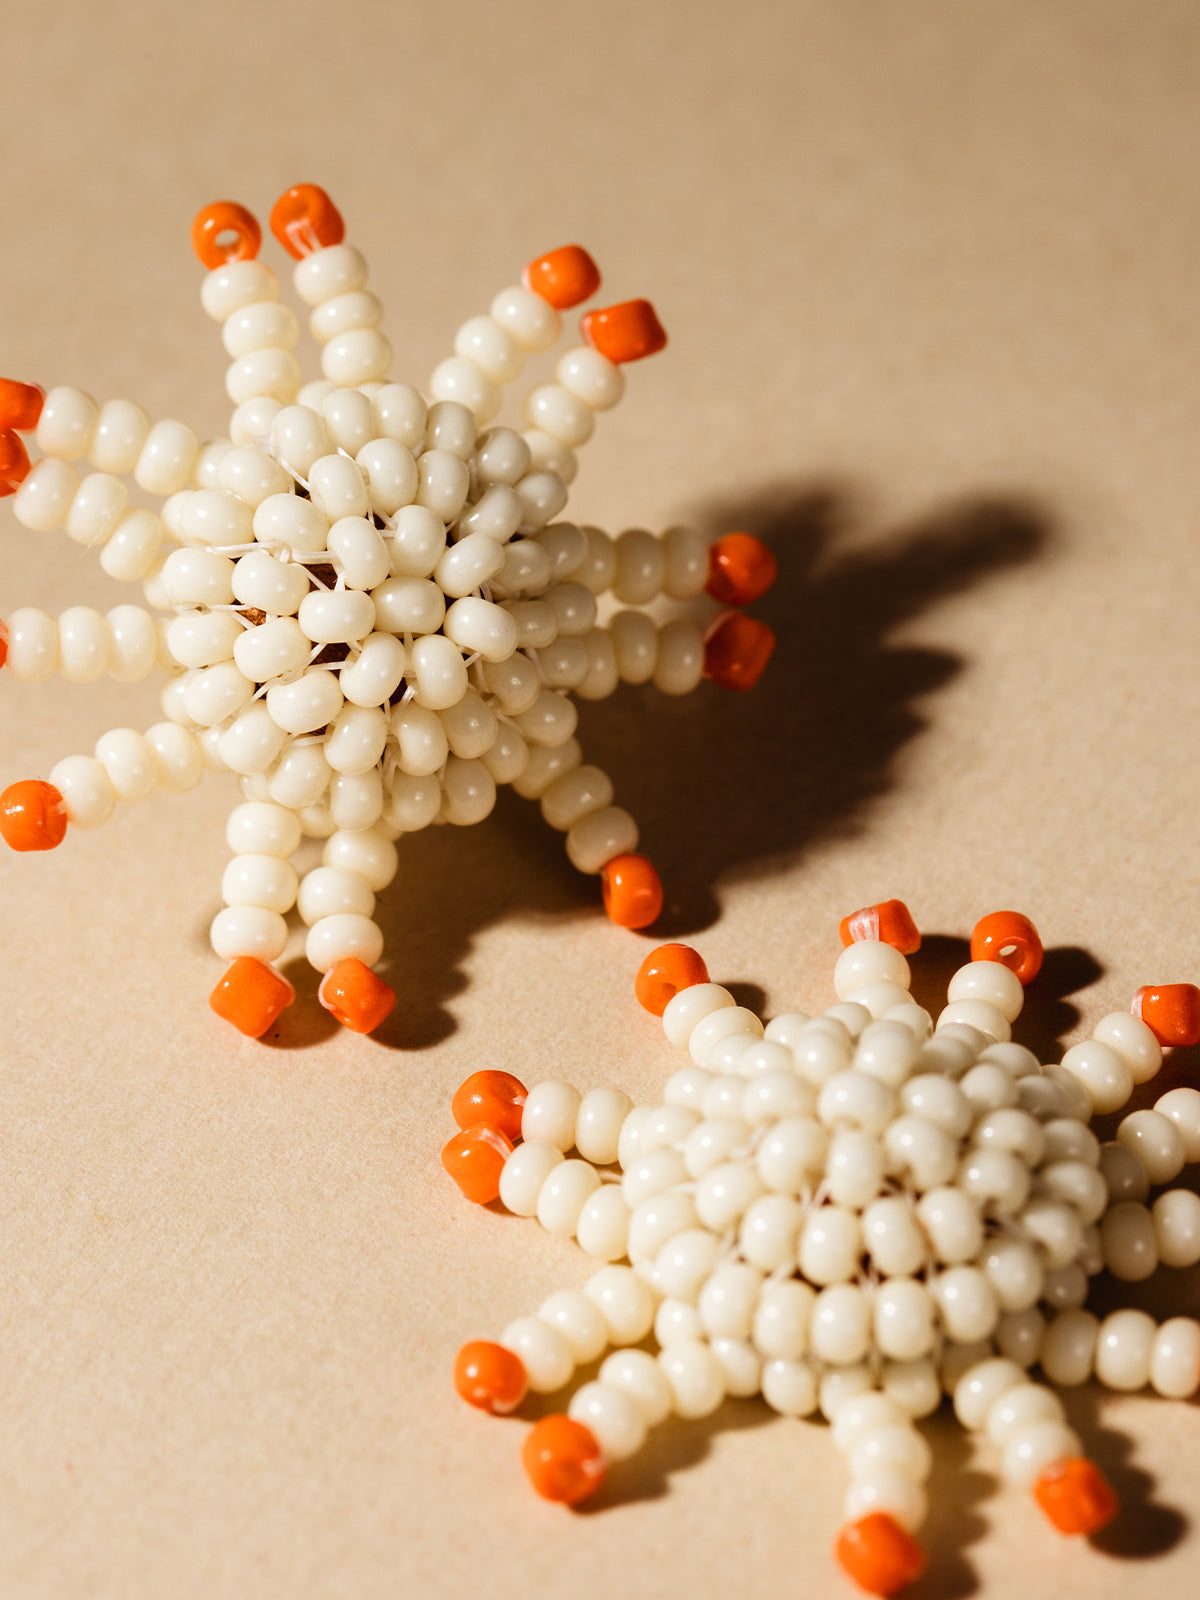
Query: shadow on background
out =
(720, 783)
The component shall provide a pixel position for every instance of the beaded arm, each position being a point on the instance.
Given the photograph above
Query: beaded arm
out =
(854, 1213)
(363, 605)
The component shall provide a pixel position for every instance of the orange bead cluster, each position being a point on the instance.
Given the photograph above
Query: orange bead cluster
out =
(487, 1108)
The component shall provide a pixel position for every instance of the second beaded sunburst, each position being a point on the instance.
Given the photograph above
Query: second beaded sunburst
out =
(362, 603)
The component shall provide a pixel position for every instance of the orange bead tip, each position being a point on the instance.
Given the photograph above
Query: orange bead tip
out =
(890, 922)
(1011, 939)
(251, 995)
(740, 569)
(20, 405)
(1171, 1011)
(633, 893)
(628, 332)
(14, 462)
(475, 1158)
(305, 219)
(490, 1377)
(495, 1099)
(563, 1460)
(664, 973)
(33, 815)
(1076, 1496)
(225, 231)
(565, 277)
(736, 650)
(356, 996)
(879, 1555)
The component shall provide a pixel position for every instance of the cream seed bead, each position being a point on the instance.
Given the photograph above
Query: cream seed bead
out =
(1156, 1141)
(840, 1326)
(249, 424)
(876, 1000)
(1123, 1171)
(686, 1087)
(1182, 1107)
(591, 377)
(451, 427)
(252, 741)
(893, 1240)
(481, 628)
(549, 455)
(356, 738)
(1034, 1447)
(263, 372)
(653, 1172)
(470, 726)
(422, 744)
(997, 1180)
(132, 549)
(915, 1386)
(769, 1231)
(335, 938)
(665, 1127)
(641, 1378)
(409, 606)
(601, 835)
(938, 1101)
(772, 1095)
(1175, 1358)
(853, 1015)
(989, 981)
(1068, 1140)
(356, 356)
(402, 414)
(238, 283)
(337, 488)
(550, 1114)
(685, 1263)
(370, 854)
(490, 347)
(329, 891)
(1176, 1219)
(355, 800)
(129, 764)
(724, 1093)
(718, 1024)
(886, 1050)
(531, 321)
(966, 1303)
(438, 674)
(830, 1245)
(1123, 1350)
(357, 308)
(212, 518)
(574, 608)
(460, 379)
(32, 645)
(791, 1158)
(544, 765)
(728, 1299)
(614, 1419)
(306, 705)
(981, 1386)
(899, 1447)
(67, 423)
(262, 581)
(1127, 1237)
(1019, 1335)
(1015, 1272)
(117, 436)
(869, 961)
(904, 1325)
(261, 325)
(857, 1100)
(563, 1196)
(713, 1141)
(987, 1019)
(259, 881)
(1056, 1228)
(603, 1227)
(328, 272)
(679, 657)
(534, 621)
(685, 563)
(318, 823)
(839, 1385)
(248, 931)
(1065, 1287)
(625, 1302)
(359, 553)
(195, 639)
(640, 567)
(132, 643)
(951, 1221)
(524, 1173)
(635, 641)
(1130, 1037)
(259, 828)
(84, 644)
(272, 649)
(741, 1366)
(1068, 1348)
(695, 1378)
(468, 792)
(412, 802)
(781, 1319)
(1102, 1072)
(96, 508)
(198, 577)
(854, 1169)
(575, 795)
(654, 1221)
(988, 1087)
(301, 777)
(725, 1192)
(542, 1351)
(44, 498)
(442, 483)
(497, 513)
(176, 757)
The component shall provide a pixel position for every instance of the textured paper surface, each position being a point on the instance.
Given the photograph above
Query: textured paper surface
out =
(929, 273)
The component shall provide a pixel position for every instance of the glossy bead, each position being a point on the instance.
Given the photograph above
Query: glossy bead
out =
(1176, 1219)
(20, 405)
(304, 219)
(1011, 938)
(564, 277)
(1102, 1072)
(356, 996)
(889, 922)
(1076, 1496)
(563, 1459)
(736, 650)
(1171, 1011)
(633, 896)
(1157, 1143)
(1068, 1348)
(741, 569)
(880, 1555)
(1128, 1240)
(496, 1099)
(210, 230)
(32, 815)
(490, 1377)
(1124, 1349)
(475, 1159)
(252, 996)
(626, 332)
(14, 462)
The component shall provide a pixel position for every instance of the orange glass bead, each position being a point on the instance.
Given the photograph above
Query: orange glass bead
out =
(665, 972)
(490, 1377)
(251, 995)
(495, 1099)
(890, 922)
(305, 219)
(14, 462)
(357, 997)
(736, 650)
(3, 643)
(563, 1460)
(633, 893)
(211, 229)
(475, 1159)
(20, 405)
(740, 569)
(879, 1555)
(1011, 939)
(627, 332)
(32, 815)
(565, 277)
(1171, 1011)
(1076, 1496)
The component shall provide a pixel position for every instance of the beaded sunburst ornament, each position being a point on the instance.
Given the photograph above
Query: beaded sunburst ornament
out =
(854, 1214)
(362, 603)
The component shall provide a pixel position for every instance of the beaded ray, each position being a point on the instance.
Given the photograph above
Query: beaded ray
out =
(855, 1214)
(363, 600)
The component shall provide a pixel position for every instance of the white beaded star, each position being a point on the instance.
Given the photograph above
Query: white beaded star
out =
(853, 1213)
(363, 605)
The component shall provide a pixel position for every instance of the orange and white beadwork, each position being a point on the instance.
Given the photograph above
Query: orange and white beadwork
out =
(852, 1214)
(364, 600)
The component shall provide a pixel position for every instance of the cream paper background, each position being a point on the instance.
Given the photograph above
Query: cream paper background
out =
(929, 271)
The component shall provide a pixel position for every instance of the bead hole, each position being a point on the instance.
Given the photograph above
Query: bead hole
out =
(228, 239)
(1008, 950)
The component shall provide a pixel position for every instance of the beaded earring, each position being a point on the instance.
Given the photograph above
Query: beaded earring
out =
(362, 603)
(853, 1213)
